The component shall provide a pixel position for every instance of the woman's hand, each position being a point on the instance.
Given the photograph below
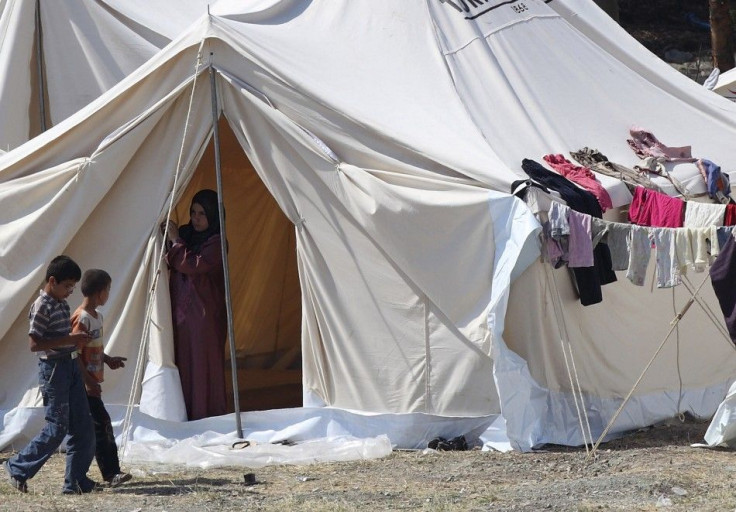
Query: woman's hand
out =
(173, 231)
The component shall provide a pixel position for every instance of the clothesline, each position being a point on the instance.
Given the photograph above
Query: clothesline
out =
(570, 237)
(691, 238)
(650, 207)
(630, 243)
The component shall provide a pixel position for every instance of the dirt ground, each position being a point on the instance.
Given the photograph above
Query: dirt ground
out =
(651, 469)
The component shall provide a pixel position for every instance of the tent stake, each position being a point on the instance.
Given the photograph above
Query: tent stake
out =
(223, 241)
(39, 67)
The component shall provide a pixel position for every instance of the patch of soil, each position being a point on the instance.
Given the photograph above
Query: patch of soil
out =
(645, 470)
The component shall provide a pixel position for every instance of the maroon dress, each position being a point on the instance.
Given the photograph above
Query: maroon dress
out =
(197, 287)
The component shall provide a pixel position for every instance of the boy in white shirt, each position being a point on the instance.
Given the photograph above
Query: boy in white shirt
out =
(96, 290)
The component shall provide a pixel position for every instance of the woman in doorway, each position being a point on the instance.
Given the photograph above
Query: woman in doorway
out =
(197, 287)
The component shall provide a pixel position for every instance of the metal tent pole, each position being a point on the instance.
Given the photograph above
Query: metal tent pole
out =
(223, 241)
(39, 67)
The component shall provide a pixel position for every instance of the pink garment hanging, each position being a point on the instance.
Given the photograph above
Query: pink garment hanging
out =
(582, 176)
(651, 208)
(581, 245)
(645, 144)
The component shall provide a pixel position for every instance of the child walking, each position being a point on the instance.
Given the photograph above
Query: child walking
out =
(96, 290)
(61, 386)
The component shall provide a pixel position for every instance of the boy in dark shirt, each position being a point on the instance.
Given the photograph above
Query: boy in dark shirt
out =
(61, 385)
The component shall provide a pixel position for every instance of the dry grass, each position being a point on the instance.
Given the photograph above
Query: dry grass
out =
(632, 473)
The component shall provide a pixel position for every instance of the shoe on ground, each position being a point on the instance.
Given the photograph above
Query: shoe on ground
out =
(458, 443)
(439, 444)
(84, 488)
(118, 479)
(19, 485)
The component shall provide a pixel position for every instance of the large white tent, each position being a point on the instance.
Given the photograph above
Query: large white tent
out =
(370, 148)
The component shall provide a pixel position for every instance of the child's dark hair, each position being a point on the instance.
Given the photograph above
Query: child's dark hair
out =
(94, 281)
(62, 268)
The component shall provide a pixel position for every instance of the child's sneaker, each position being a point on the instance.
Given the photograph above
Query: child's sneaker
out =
(20, 485)
(118, 479)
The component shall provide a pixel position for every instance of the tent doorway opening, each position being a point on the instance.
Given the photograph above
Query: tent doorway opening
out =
(264, 280)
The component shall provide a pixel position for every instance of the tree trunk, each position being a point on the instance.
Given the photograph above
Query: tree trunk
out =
(721, 35)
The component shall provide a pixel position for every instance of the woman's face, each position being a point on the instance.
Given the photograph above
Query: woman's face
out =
(198, 217)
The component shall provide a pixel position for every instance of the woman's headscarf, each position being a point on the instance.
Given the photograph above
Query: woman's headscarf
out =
(207, 199)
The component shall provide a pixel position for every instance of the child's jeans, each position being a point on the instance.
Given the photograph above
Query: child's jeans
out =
(67, 412)
(106, 453)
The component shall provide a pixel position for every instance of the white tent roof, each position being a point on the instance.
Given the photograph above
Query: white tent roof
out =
(726, 84)
(388, 135)
(87, 46)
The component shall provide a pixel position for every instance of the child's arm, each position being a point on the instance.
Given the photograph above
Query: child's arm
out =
(115, 362)
(80, 339)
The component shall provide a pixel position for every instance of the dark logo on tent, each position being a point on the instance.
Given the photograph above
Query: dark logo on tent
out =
(472, 9)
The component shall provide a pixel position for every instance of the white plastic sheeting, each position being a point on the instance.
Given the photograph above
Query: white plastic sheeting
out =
(284, 436)
(722, 429)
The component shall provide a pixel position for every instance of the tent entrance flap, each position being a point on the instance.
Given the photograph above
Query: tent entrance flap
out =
(264, 280)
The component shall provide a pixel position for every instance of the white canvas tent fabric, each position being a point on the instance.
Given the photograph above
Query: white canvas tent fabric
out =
(390, 151)
(726, 84)
(87, 46)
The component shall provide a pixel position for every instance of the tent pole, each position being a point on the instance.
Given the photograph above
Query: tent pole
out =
(223, 241)
(39, 67)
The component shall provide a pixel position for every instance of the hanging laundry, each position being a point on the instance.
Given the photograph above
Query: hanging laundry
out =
(553, 252)
(668, 272)
(598, 162)
(616, 236)
(650, 208)
(655, 165)
(717, 182)
(588, 280)
(537, 197)
(723, 277)
(544, 203)
(645, 144)
(640, 249)
(580, 248)
(629, 248)
(684, 250)
(701, 215)
(559, 225)
(576, 198)
(582, 176)
(705, 246)
(729, 218)
(557, 230)
(722, 235)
